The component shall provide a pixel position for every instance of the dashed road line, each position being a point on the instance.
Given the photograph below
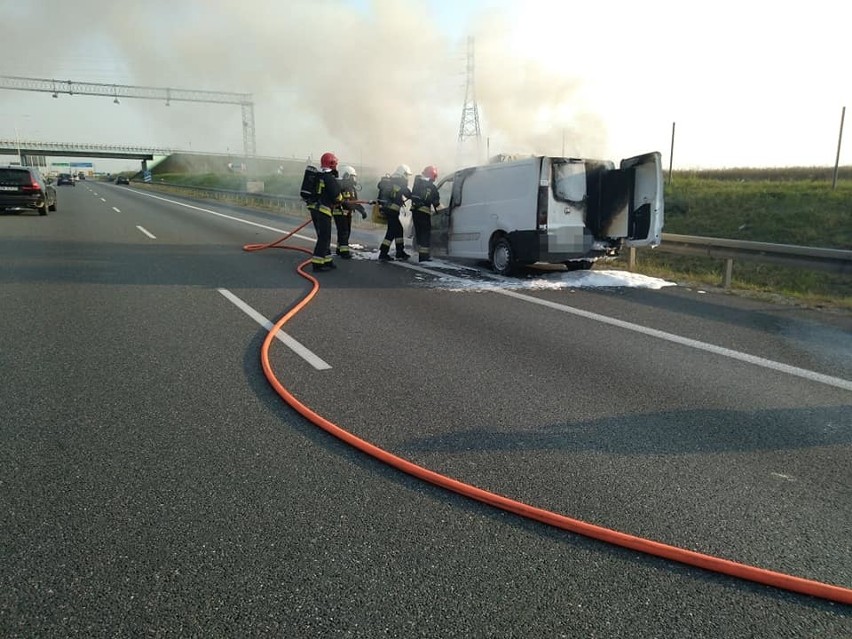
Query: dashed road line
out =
(300, 350)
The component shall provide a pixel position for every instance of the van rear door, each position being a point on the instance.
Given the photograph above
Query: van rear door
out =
(645, 209)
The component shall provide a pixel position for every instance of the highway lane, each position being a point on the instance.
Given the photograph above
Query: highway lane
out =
(155, 481)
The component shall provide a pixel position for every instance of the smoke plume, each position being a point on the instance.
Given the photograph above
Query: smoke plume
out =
(379, 85)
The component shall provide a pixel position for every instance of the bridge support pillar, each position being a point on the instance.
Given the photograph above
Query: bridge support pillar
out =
(144, 165)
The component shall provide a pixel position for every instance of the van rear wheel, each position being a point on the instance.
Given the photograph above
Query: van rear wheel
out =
(503, 257)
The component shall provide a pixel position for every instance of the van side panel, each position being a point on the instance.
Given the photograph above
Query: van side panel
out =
(492, 198)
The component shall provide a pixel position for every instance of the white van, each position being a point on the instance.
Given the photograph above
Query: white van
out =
(549, 209)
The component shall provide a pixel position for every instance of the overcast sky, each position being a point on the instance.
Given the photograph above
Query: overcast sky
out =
(748, 83)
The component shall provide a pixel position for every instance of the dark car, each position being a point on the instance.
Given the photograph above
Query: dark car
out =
(122, 180)
(64, 178)
(23, 187)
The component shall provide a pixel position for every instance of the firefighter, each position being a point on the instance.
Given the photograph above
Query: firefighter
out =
(424, 199)
(327, 198)
(343, 214)
(393, 191)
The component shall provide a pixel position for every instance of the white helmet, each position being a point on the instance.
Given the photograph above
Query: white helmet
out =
(403, 170)
(347, 171)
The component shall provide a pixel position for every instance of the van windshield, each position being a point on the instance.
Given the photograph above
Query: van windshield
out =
(569, 181)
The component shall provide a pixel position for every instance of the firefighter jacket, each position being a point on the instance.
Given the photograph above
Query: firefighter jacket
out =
(328, 193)
(424, 195)
(348, 194)
(396, 195)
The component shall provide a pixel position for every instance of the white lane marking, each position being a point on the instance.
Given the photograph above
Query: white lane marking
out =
(95, 194)
(146, 232)
(685, 341)
(227, 217)
(116, 210)
(782, 476)
(103, 200)
(288, 341)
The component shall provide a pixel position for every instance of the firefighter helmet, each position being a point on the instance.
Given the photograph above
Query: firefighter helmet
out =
(430, 172)
(347, 171)
(328, 161)
(402, 171)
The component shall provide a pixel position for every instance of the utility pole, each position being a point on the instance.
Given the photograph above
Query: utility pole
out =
(837, 158)
(671, 155)
(18, 144)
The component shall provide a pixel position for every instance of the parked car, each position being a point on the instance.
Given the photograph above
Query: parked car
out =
(549, 210)
(24, 187)
(122, 180)
(64, 178)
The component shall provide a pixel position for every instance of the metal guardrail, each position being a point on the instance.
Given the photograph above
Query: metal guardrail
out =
(832, 260)
(244, 198)
(825, 259)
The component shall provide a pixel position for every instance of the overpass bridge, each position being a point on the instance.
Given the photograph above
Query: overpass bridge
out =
(34, 153)
(31, 149)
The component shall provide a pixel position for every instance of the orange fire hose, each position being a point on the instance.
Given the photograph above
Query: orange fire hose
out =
(747, 572)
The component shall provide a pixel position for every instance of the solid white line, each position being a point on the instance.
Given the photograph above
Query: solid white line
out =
(116, 210)
(288, 341)
(146, 232)
(227, 217)
(685, 341)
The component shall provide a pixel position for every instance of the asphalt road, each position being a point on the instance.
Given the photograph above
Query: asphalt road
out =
(153, 483)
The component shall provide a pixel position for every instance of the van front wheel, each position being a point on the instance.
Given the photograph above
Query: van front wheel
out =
(503, 257)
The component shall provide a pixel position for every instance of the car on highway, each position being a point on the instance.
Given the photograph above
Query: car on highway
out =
(122, 180)
(64, 178)
(24, 187)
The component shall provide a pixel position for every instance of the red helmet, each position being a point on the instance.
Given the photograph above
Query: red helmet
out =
(430, 172)
(328, 161)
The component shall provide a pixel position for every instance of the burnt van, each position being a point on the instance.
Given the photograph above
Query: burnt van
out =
(550, 210)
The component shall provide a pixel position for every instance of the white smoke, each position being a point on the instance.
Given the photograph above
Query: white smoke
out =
(379, 87)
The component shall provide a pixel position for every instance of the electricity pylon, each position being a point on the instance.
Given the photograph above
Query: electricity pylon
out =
(469, 126)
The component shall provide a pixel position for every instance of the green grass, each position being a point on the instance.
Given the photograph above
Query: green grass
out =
(780, 206)
(807, 213)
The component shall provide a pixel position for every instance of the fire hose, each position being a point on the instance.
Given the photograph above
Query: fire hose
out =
(712, 563)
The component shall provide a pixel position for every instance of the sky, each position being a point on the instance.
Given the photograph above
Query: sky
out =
(382, 82)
